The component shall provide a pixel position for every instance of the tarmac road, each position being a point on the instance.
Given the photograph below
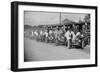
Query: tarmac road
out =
(39, 51)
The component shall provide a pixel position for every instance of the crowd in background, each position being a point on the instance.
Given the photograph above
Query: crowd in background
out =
(65, 34)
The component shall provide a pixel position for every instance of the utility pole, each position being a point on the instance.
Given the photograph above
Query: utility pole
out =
(60, 18)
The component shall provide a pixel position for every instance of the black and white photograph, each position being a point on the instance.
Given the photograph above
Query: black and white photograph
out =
(56, 36)
(53, 36)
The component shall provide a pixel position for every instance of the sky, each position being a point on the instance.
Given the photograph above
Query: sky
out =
(72, 16)
(45, 18)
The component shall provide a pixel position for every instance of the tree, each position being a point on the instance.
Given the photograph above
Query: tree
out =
(87, 18)
(80, 20)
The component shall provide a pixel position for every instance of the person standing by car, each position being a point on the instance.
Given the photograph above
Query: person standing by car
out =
(69, 37)
(56, 35)
(36, 34)
(46, 36)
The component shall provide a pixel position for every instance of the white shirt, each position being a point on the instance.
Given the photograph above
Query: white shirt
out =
(78, 33)
(68, 35)
(36, 33)
(46, 34)
(50, 32)
(41, 32)
(32, 33)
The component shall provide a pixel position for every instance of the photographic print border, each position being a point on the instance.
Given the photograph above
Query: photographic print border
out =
(14, 35)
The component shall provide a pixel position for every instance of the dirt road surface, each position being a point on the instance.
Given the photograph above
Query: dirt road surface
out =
(39, 51)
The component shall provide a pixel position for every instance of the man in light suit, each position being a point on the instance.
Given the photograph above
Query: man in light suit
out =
(69, 35)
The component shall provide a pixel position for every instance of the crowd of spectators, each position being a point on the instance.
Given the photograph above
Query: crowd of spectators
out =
(59, 35)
